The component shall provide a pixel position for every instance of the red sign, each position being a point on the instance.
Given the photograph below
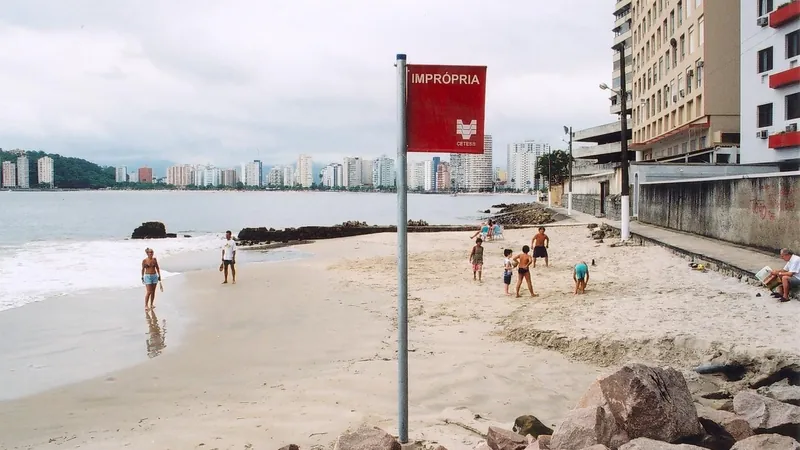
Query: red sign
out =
(446, 107)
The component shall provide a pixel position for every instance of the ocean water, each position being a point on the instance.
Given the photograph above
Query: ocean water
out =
(55, 244)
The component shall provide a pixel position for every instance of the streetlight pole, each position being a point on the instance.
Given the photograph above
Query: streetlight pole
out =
(625, 220)
(549, 177)
(569, 195)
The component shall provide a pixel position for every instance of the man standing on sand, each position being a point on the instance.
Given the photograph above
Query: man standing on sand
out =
(229, 257)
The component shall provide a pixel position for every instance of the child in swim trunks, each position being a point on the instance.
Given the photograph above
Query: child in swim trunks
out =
(540, 242)
(476, 258)
(507, 269)
(524, 262)
(581, 276)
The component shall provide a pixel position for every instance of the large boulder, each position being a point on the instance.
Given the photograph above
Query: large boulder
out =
(767, 442)
(500, 439)
(367, 438)
(651, 444)
(651, 402)
(782, 392)
(766, 415)
(583, 427)
(150, 230)
(541, 443)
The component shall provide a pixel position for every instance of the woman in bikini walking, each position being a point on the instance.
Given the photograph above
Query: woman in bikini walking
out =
(524, 261)
(151, 275)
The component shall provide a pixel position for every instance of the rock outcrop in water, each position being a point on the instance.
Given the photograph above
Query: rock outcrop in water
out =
(523, 213)
(151, 230)
(263, 235)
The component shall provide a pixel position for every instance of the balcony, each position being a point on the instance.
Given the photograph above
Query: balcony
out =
(784, 14)
(595, 151)
(785, 140)
(622, 37)
(785, 78)
(621, 21)
(621, 4)
(602, 131)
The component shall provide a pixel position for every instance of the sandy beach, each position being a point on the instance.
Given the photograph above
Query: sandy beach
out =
(299, 351)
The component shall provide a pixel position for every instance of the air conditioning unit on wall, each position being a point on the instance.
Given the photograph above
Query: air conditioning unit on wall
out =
(762, 21)
(762, 134)
(791, 128)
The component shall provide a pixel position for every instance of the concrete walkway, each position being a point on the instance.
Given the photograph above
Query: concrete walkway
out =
(741, 260)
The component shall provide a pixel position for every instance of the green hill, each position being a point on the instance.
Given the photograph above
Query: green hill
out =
(69, 173)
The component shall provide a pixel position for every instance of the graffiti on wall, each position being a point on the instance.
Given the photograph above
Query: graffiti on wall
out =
(770, 200)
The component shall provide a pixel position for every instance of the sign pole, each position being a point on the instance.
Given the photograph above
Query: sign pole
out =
(402, 251)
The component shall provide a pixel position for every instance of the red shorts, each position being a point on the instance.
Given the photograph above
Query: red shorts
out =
(477, 267)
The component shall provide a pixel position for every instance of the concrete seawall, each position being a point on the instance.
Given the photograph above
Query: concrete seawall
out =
(761, 211)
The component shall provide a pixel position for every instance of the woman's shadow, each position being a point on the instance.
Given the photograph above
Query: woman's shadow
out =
(156, 334)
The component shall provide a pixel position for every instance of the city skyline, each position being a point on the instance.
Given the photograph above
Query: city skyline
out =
(149, 93)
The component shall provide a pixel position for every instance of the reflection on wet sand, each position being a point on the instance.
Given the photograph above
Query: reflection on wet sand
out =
(156, 334)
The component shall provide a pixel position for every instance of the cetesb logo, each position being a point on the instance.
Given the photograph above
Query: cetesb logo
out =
(466, 130)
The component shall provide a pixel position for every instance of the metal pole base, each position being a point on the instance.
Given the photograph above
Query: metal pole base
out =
(625, 220)
(569, 203)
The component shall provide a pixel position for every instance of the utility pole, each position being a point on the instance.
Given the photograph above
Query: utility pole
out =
(569, 195)
(549, 177)
(625, 222)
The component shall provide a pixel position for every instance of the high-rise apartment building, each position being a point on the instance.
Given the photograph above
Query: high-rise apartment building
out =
(180, 175)
(145, 175)
(275, 176)
(352, 168)
(522, 160)
(252, 173)
(685, 88)
(443, 176)
(429, 181)
(23, 172)
(416, 175)
(305, 171)
(229, 177)
(46, 170)
(383, 173)
(770, 77)
(457, 171)
(288, 176)
(333, 176)
(478, 168)
(9, 174)
(212, 176)
(500, 175)
(133, 177)
(121, 174)
(366, 172)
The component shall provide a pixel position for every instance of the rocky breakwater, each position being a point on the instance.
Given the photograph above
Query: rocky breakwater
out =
(637, 407)
(522, 214)
(151, 230)
(263, 235)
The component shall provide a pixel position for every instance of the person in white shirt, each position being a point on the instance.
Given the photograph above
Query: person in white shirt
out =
(789, 276)
(229, 257)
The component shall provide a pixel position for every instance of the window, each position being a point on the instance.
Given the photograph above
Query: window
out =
(764, 115)
(793, 106)
(664, 27)
(680, 13)
(701, 31)
(689, 81)
(681, 91)
(675, 58)
(765, 60)
(691, 40)
(699, 74)
(701, 142)
(672, 22)
(793, 44)
(764, 7)
(660, 67)
(683, 46)
(667, 54)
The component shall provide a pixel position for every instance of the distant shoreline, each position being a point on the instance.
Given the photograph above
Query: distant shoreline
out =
(255, 190)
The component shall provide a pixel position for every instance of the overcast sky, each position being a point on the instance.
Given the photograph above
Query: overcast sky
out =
(216, 82)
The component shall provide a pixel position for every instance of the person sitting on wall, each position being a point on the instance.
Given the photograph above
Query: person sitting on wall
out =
(789, 276)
